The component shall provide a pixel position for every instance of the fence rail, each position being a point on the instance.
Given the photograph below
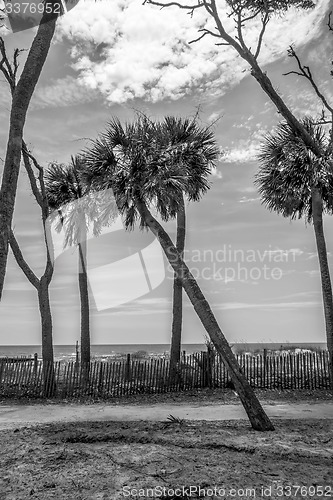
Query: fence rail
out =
(29, 378)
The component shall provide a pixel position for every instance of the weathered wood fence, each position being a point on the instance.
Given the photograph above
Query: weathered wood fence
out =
(28, 378)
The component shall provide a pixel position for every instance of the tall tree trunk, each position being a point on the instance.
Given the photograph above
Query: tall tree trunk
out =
(177, 311)
(47, 346)
(84, 299)
(20, 104)
(258, 418)
(42, 287)
(317, 214)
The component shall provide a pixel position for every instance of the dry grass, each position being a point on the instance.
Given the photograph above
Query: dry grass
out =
(93, 461)
(198, 396)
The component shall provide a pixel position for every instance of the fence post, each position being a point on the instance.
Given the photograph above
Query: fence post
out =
(35, 363)
(206, 370)
(263, 375)
(128, 374)
(77, 353)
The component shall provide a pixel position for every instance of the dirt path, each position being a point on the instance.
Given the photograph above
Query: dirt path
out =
(13, 416)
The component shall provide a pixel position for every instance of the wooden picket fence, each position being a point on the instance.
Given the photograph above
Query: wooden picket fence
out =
(100, 379)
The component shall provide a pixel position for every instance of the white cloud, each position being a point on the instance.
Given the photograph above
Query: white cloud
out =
(247, 200)
(242, 154)
(271, 305)
(314, 273)
(126, 50)
(215, 116)
(216, 173)
(63, 92)
(248, 189)
(295, 251)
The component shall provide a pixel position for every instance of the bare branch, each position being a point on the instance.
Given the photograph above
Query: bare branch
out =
(264, 22)
(22, 262)
(329, 24)
(323, 122)
(175, 4)
(197, 39)
(246, 54)
(10, 72)
(293, 73)
(205, 32)
(35, 162)
(252, 16)
(208, 7)
(239, 26)
(9, 69)
(41, 198)
(6, 67)
(26, 160)
(305, 72)
(224, 35)
(17, 52)
(2, 18)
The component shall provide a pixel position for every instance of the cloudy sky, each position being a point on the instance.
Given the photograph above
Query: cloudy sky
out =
(258, 271)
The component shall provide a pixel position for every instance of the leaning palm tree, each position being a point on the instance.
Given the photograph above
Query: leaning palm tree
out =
(192, 150)
(296, 184)
(129, 160)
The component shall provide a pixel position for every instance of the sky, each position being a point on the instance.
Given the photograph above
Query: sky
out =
(258, 270)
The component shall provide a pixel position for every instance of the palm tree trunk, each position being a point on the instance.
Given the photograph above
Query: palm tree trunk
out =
(47, 346)
(84, 299)
(317, 214)
(20, 104)
(177, 311)
(258, 418)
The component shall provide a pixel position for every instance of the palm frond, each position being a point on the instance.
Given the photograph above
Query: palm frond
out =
(158, 161)
(288, 170)
(75, 207)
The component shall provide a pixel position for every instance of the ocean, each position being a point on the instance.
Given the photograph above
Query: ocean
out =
(115, 351)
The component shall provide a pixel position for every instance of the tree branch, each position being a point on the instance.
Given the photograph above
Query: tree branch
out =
(264, 22)
(41, 198)
(323, 122)
(175, 4)
(305, 72)
(10, 72)
(239, 25)
(6, 67)
(22, 262)
(205, 32)
(246, 54)
(32, 179)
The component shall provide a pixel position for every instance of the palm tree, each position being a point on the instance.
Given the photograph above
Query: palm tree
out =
(75, 209)
(293, 182)
(130, 161)
(193, 151)
(65, 193)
